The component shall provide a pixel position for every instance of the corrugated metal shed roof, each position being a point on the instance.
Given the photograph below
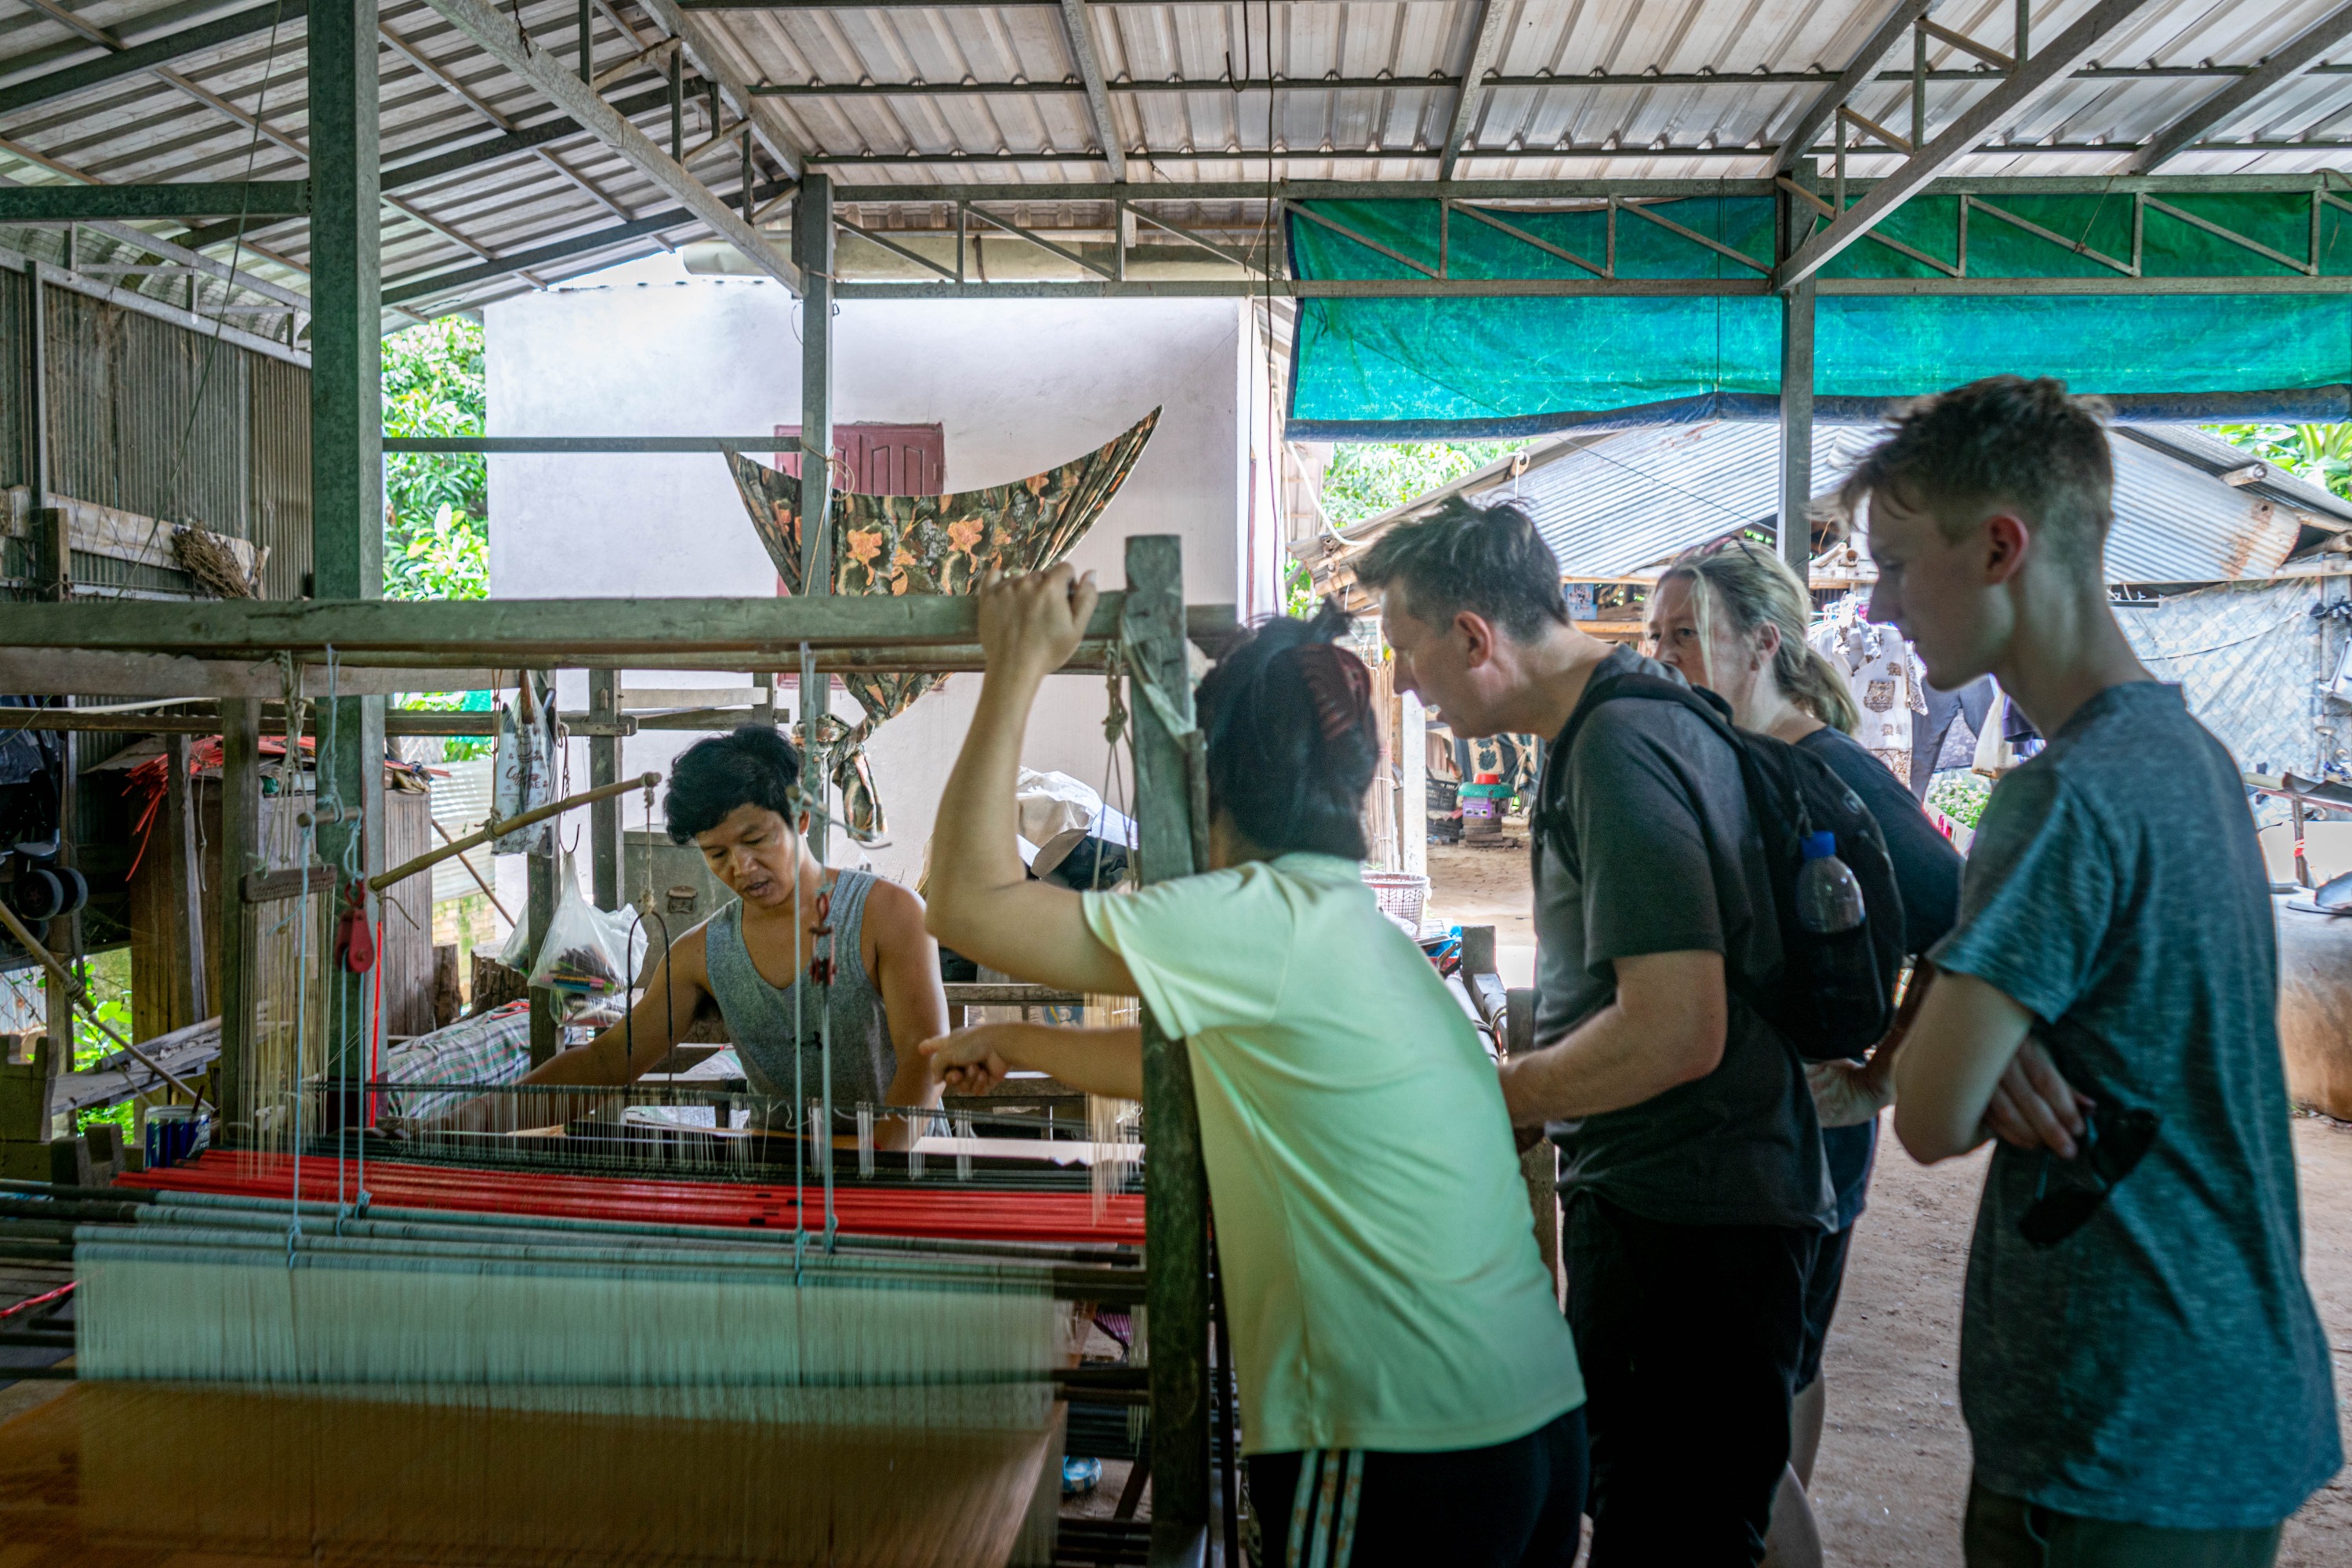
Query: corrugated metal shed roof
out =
(1360, 89)
(1622, 502)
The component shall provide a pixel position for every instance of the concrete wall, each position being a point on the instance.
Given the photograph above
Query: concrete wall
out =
(1019, 386)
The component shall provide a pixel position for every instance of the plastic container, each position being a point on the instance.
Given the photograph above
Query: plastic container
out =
(176, 1133)
(1843, 967)
(1080, 1475)
(1402, 895)
(1828, 899)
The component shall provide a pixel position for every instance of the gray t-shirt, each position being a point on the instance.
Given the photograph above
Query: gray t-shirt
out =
(2163, 1365)
(1667, 859)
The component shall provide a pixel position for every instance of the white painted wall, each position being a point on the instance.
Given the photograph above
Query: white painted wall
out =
(1019, 387)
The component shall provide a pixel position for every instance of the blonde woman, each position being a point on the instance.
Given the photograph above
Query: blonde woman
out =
(1732, 618)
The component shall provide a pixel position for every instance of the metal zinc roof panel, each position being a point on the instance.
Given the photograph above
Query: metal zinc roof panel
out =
(1626, 500)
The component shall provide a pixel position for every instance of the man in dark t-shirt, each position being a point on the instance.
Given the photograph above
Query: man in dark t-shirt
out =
(2143, 1374)
(1694, 1171)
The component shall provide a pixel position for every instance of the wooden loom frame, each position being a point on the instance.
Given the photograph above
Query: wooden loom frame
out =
(1149, 619)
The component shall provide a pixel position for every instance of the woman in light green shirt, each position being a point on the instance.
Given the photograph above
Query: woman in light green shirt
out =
(1409, 1389)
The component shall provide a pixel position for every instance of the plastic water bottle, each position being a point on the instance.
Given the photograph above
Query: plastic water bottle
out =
(1830, 909)
(1828, 899)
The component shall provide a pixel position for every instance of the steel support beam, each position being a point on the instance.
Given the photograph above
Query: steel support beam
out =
(2290, 60)
(2018, 92)
(1858, 71)
(1795, 220)
(78, 204)
(154, 52)
(813, 248)
(1485, 47)
(347, 479)
(496, 34)
(1749, 80)
(734, 87)
(1078, 33)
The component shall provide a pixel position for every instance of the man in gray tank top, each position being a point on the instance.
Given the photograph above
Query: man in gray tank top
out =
(734, 797)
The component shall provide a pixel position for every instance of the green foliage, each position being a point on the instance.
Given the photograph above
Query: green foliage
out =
(123, 1115)
(1298, 600)
(1960, 795)
(437, 530)
(2321, 454)
(1367, 479)
(447, 556)
(107, 977)
(458, 748)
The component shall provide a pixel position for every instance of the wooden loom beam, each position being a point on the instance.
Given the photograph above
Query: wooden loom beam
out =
(537, 633)
(1176, 1193)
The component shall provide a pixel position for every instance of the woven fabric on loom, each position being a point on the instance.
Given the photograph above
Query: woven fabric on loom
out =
(491, 1048)
(868, 1211)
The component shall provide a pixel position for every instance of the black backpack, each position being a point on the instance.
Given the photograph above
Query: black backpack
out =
(1789, 794)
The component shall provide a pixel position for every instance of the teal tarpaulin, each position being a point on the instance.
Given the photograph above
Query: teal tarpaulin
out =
(1465, 366)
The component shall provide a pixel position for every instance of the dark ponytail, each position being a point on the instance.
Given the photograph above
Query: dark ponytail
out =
(1292, 744)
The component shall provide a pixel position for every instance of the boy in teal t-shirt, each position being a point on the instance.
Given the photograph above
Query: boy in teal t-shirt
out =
(2141, 1368)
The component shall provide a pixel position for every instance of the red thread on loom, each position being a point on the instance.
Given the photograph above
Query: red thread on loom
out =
(1340, 686)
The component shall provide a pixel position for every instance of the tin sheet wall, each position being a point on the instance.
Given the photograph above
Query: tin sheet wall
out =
(151, 417)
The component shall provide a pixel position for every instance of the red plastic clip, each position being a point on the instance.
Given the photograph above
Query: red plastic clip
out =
(354, 938)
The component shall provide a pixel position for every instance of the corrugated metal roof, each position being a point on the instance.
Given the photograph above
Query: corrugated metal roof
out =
(1365, 90)
(1620, 503)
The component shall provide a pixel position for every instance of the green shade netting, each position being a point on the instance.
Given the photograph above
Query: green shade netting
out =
(1468, 362)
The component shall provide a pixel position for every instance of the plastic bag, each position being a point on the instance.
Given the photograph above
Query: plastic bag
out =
(582, 956)
(522, 776)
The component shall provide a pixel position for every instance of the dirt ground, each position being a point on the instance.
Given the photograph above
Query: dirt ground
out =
(1488, 888)
(1894, 1468)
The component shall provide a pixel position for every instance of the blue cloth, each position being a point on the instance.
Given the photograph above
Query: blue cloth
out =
(2163, 1365)
(1928, 873)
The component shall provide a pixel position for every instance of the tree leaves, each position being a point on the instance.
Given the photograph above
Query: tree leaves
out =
(436, 528)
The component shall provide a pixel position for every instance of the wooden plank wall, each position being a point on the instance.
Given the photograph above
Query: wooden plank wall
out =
(407, 953)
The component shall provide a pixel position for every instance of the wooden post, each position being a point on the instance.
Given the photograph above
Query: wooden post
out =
(347, 481)
(64, 935)
(447, 1002)
(187, 886)
(603, 768)
(1176, 1190)
(546, 1025)
(240, 854)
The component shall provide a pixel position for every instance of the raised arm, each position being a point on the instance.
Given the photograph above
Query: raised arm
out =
(906, 967)
(982, 903)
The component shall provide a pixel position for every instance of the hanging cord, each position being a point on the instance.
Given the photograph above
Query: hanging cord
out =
(306, 851)
(822, 971)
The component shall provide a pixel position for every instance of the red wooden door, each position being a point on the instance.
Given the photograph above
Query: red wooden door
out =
(878, 460)
(881, 459)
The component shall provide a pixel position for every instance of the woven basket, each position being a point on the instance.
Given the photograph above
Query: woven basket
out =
(1402, 895)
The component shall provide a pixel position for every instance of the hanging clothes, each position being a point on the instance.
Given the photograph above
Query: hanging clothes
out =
(927, 544)
(1888, 687)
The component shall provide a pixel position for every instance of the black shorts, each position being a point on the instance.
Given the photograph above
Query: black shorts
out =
(1823, 1280)
(1689, 1335)
(1518, 1504)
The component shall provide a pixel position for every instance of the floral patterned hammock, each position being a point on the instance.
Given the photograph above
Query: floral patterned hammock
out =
(927, 544)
